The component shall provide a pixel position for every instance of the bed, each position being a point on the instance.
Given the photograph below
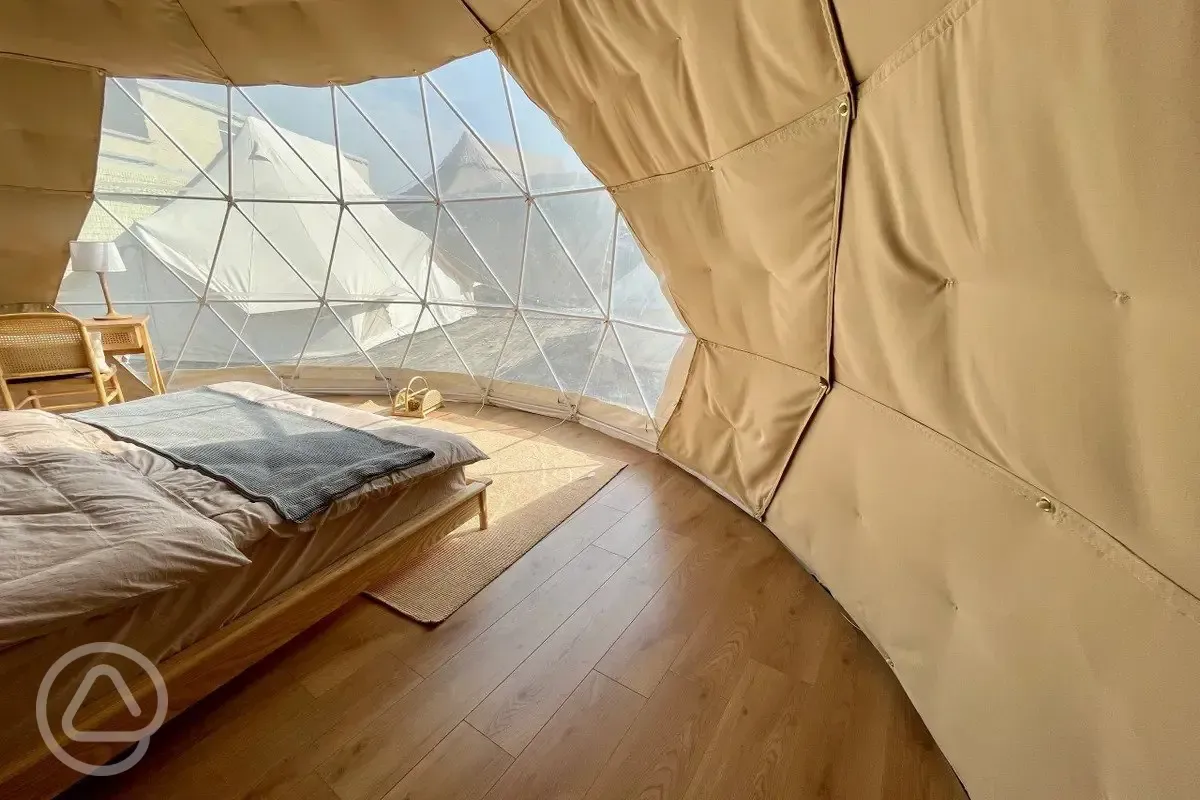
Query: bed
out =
(241, 580)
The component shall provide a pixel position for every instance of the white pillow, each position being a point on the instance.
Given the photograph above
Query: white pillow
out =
(96, 340)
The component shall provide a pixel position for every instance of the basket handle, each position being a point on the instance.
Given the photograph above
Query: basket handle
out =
(411, 391)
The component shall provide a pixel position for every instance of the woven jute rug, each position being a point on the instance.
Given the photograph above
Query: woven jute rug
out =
(536, 484)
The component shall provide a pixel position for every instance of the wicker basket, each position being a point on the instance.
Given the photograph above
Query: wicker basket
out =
(416, 400)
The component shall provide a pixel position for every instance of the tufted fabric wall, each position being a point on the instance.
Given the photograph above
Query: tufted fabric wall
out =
(721, 128)
(1002, 485)
(943, 263)
(49, 135)
(245, 41)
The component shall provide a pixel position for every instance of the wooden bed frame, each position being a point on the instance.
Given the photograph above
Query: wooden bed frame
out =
(206, 665)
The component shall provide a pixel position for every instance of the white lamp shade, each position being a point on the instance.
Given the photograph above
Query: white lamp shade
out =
(96, 257)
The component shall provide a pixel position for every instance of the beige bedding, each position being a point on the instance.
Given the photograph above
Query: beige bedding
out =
(258, 556)
(88, 523)
(161, 625)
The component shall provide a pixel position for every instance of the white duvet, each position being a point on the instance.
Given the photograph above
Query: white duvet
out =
(88, 523)
(81, 531)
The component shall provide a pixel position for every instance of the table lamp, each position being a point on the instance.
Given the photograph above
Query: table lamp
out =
(101, 258)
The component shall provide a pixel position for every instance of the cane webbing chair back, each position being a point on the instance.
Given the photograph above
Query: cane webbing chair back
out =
(51, 346)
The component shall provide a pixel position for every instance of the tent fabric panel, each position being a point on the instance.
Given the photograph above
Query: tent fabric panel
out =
(1020, 274)
(333, 41)
(35, 229)
(738, 420)
(49, 145)
(649, 87)
(128, 37)
(872, 31)
(267, 41)
(1046, 659)
(745, 242)
(495, 13)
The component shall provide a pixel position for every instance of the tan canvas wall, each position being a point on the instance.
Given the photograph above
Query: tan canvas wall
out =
(872, 31)
(1047, 660)
(1018, 256)
(49, 135)
(152, 37)
(1012, 189)
(245, 41)
(332, 41)
(771, 238)
(693, 113)
(976, 221)
(647, 87)
(738, 420)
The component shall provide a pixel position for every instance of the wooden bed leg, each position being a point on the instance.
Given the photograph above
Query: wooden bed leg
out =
(483, 520)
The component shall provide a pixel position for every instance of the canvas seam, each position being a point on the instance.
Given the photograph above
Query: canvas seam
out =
(52, 62)
(192, 24)
(835, 233)
(1105, 544)
(479, 21)
(809, 372)
(837, 45)
(757, 510)
(808, 120)
(787, 462)
(934, 30)
(520, 14)
(46, 190)
(835, 228)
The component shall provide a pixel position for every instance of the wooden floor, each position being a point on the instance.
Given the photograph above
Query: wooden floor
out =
(658, 644)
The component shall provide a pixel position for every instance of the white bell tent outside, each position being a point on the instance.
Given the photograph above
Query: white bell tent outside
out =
(344, 239)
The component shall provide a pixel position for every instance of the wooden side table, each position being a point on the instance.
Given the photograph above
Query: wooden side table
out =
(129, 336)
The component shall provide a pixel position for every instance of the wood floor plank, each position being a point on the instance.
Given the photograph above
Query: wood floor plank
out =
(742, 753)
(517, 709)
(913, 764)
(646, 649)
(633, 485)
(670, 505)
(325, 655)
(821, 752)
(719, 648)
(464, 766)
(307, 787)
(797, 620)
(659, 755)
(737, 627)
(375, 759)
(565, 757)
(196, 754)
(428, 653)
(337, 716)
(268, 731)
(861, 760)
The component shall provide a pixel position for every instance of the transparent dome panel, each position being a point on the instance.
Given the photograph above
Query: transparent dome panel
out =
(348, 237)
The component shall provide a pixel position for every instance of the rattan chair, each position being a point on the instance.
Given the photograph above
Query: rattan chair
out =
(50, 347)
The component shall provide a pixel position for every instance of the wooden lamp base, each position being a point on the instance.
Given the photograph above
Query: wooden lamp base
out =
(112, 313)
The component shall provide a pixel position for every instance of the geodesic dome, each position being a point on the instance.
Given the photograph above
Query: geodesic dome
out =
(352, 237)
(938, 259)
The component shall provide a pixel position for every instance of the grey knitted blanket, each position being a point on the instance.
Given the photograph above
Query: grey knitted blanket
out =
(298, 464)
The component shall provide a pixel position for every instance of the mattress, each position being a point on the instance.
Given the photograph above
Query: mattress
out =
(281, 554)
